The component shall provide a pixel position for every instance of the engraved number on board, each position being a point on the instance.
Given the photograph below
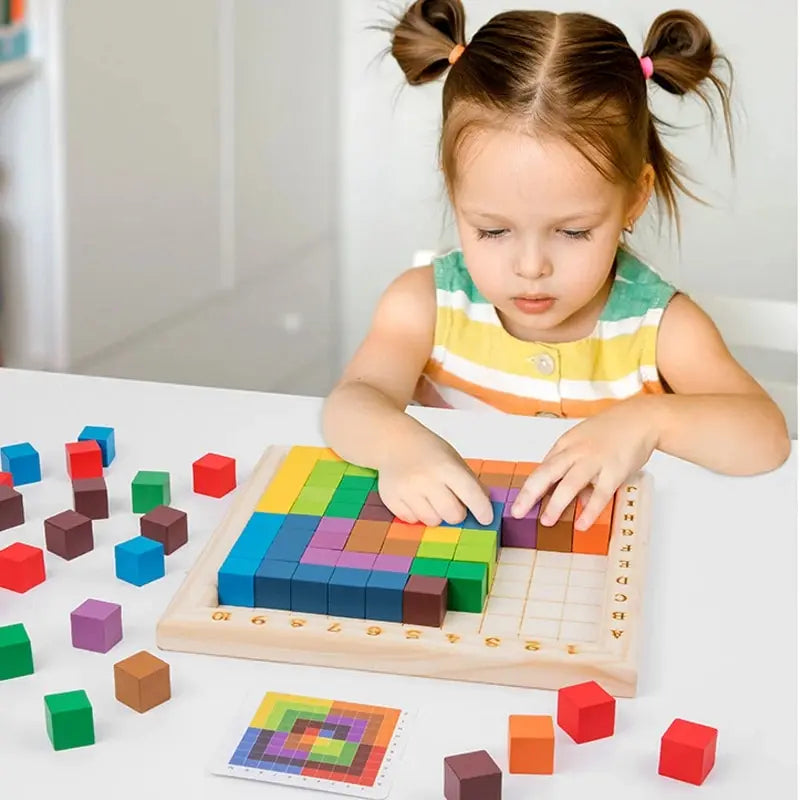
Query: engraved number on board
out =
(218, 616)
(335, 628)
(413, 634)
(533, 646)
(297, 623)
(374, 630)
(572, 649)
(259, 620)
(453, 638)
(492, 641)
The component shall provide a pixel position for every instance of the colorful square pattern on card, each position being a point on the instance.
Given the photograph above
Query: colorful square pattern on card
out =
(320, 520)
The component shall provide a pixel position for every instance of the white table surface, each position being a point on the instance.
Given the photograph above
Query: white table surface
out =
(719, 642)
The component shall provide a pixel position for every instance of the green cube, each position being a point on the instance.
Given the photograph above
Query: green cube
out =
(366, 472)
(433, 567)
(350, 495)
(148, 490)
(467, 586)
(326, 474)
(362, 484)
(313, 508)
(438, 550)
(316, 493)
(16, 656)
(70, 722)
(346, 510)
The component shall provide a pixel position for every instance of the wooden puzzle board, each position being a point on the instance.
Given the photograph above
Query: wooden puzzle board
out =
(550, 620)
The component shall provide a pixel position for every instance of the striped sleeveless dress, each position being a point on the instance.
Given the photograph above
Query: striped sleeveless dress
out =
(477, 364)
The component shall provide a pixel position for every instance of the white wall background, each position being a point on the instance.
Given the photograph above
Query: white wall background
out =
(744, 245)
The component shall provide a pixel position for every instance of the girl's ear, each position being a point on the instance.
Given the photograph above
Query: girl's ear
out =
(642, 192)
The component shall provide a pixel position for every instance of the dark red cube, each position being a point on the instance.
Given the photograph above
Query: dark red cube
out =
(90, 497)
(425, 600)
(166, 525)
(12, 510)
(68, 534)
(472, 776)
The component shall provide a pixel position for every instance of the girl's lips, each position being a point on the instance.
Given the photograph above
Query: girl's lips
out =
(534, 305)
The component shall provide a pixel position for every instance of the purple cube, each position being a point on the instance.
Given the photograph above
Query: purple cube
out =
(351, 558)
(498, 494)
(96, 625)
(320, 556)
(336, 525)
(328, 540)
(519, 532)
(385, 562)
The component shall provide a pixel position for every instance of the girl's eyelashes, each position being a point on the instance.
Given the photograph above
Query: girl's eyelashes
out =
(491, 234)
(573, 234)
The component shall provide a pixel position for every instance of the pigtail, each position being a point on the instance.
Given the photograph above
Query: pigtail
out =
(685, 61)
(424, 36)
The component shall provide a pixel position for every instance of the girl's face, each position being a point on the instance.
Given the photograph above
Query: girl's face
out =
(539, 228)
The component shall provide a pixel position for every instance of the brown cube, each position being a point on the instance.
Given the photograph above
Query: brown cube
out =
(90, 497)
(472, 776)
(400, 547)
(374, 499)
(425, 600)
(376, 514)
(68, 534)
(557, 537)
(142, 681)
(166, 525)
(12, 510)
(495, 480)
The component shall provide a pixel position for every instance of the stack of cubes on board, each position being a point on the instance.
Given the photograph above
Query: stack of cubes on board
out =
(320, 540)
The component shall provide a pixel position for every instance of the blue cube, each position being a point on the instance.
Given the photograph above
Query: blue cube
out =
(257, 536)
(273, 584)
(384, 596)
(139, 560)
(104, 437)
(347, 592)
(310, 588)
(22, 461)
(306, 522)
(236, 580)
(290, 544)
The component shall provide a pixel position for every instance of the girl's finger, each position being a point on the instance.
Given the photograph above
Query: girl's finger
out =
(599, 499)
(577, 477)
(469, 492)
(539, 481)
(445, 503)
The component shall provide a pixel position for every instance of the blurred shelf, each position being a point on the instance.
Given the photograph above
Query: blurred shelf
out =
(12, 72)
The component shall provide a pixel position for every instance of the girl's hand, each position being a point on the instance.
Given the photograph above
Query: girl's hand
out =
(429, 482)
(600, 453)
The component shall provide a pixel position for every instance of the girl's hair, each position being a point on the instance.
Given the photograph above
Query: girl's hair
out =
(571, 75)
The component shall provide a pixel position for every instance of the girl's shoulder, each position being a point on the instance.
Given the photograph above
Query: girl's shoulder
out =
(638, 289)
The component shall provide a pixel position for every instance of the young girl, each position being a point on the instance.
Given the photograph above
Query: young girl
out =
(549, 153)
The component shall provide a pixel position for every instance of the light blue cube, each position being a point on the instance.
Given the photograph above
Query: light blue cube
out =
(139, 560)
(236, 581)
(104, 437)
(22, 461)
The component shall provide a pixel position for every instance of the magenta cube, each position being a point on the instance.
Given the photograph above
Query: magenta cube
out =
(328, 540)
(96, 625)
(498, 494)
(317, 555)
(519, 532)
(386, 562)
(350, 558)
(336, 525)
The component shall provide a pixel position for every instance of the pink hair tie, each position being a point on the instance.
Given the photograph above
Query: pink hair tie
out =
(647, 66)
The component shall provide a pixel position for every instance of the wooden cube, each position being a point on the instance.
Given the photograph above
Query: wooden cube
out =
(68, 534)
(472, 776)
(531, 744)
(12, 509)
(142, 681)
(425, 600)
(166, 525)
(214, 475)
(21, 567)
(586, 711)
(688, 751)
(84, 459)
(90, 497)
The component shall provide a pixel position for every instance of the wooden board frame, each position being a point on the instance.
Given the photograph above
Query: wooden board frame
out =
(194, 622)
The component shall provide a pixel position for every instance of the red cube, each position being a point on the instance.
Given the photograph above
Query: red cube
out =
(586, 711)
(214, 475)
(688, 751)
(6, 479)
(21, 567)
(84, 459)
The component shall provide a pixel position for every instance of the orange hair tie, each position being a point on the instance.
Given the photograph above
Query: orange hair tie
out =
(455, 53)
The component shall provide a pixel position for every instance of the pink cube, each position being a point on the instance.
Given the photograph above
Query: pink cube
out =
(96, 625)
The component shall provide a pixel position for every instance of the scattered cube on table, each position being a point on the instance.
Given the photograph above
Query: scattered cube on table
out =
(688, 751)
(166, 525)
(148, 490)
(214, 475)
(22, 461)
(68, 534)
(90, 496)
(21, 567)
(96, 625)
(70, 721)
(531, 744)
(84, 459)
(472, 776)
(139, 560)
(586, 711)
(12, 508)
(104, 437)
(16, 655)
(6, 479)
(142, 681)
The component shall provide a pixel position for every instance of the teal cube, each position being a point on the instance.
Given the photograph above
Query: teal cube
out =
(70, 721)
(148, 490)
(22, 461)
(139, 560)
(16, 655)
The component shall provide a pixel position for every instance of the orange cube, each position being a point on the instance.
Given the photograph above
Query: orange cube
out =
(594, 540)
(498, 467)
(474, 464)
(531, 744)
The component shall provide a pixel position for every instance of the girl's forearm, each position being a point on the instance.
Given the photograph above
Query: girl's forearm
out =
(730, 434)
(364, 426)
